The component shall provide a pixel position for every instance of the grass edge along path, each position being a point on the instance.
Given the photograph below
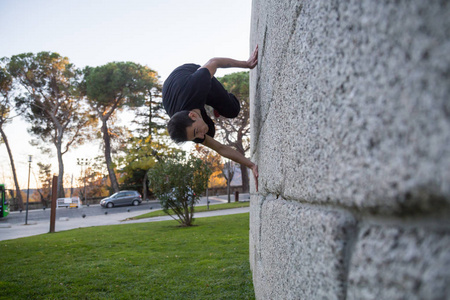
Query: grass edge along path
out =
(157, 260)
(200, 208)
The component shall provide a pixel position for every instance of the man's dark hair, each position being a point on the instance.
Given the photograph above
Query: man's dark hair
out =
(177, 126)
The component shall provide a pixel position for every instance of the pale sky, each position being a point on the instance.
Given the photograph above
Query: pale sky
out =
(160, 34)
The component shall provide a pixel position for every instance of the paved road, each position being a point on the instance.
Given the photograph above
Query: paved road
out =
(14, 226)
(39, 215)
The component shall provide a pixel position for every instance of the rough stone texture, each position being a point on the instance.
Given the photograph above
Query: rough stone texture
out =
(351, 132)
(352, 100)
(311, 266)
(394, 262)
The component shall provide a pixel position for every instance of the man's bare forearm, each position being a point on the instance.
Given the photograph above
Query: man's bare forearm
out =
(223, 62)
(236, 156)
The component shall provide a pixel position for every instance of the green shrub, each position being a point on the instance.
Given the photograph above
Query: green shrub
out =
(178, 186)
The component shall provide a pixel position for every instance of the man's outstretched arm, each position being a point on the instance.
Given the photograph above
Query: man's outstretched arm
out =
(221, 62)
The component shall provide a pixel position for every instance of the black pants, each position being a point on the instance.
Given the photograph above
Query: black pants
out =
(225, 103)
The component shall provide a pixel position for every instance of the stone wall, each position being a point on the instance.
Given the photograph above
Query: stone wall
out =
(351, 131)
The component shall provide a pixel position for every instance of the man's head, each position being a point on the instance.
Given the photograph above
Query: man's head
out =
(187, 126)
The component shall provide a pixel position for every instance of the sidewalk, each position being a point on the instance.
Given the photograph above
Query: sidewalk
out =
(14, 231)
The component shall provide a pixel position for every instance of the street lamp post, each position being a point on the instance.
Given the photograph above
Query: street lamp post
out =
(28, 190)
(83, 162)
(229, 170)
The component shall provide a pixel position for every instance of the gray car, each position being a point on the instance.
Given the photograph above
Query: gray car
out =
(122, 198)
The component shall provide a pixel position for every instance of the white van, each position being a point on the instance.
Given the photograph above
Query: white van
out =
(68, 202)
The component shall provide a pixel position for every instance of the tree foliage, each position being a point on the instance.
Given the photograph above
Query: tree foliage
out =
(111, 88)
(178, 185)
(6, 94)
(141, 155)
(151, 118)
(149, 144)
(51, 102)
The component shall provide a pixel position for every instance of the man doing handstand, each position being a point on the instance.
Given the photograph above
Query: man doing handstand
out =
(185, 93)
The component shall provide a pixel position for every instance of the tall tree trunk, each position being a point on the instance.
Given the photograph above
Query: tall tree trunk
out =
(11, 160)
(228, 190)
(60, 189)
(144, 186)
(229, 177)
(245, 179)
(244, 171)
(107, 141)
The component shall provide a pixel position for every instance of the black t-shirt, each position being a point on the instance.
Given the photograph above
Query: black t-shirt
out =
(187, 88)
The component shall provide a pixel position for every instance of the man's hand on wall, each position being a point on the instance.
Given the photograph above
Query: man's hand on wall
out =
(255, 175)
(253, 60)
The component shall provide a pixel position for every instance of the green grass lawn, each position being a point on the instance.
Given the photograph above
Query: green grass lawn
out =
(155, 260)
(159, 213)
